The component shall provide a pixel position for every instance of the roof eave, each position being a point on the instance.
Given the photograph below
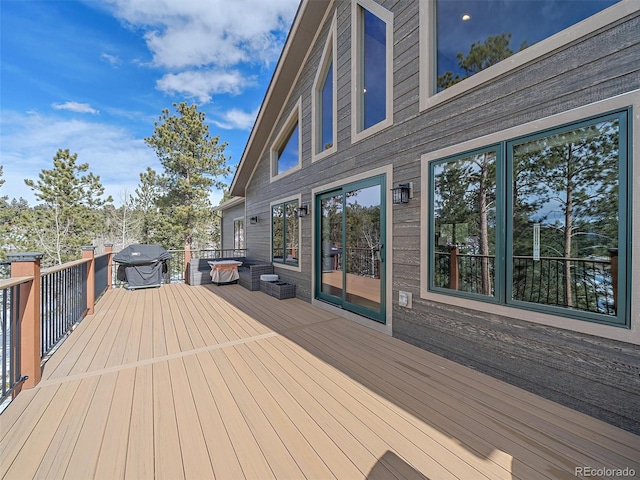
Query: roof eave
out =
(306, 22)
(232, 202)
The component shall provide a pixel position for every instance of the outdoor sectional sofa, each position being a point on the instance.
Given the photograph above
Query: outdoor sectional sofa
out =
(249, 271)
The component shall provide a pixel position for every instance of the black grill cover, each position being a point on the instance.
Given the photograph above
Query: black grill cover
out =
(142, 255)
(143, 264)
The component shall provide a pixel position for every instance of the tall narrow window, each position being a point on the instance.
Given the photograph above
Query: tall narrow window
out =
(374, 80)
(288, 152)
(324, 105)
(238, 234)
(285, 151)
(326, 110)
(285, 238)
(372, 68)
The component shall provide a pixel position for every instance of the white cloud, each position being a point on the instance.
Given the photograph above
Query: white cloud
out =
(76, 107)
(203, 84)
(112, 59)
(29, 143)
(237, 119)
(193, 33)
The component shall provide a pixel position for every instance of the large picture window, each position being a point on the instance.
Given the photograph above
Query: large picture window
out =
(460, 39)
(556, 204)
(285, 233)
(472, 35)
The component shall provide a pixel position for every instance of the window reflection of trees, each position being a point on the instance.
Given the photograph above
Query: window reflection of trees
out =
(562, 211)
(567, 183)
(363, 234)
(464, 209)
(472, 35)
(285, 237)
(360, 254)
(277, 215)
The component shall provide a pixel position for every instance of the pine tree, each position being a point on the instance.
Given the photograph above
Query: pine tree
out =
(69, 214)
(193, 162)
(481, 55)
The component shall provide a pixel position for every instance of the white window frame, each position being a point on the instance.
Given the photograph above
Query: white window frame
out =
(428, 51)
(356, 68)
(283, 200)
(330, 51)
(295, 117)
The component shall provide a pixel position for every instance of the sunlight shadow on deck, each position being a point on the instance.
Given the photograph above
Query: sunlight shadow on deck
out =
(192, 382)
(498, 430)
(380, 472)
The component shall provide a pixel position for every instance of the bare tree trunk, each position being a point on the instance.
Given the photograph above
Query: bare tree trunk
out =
(568, 233)
(58, 235)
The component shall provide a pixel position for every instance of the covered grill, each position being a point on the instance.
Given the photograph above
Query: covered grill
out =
(142, 265)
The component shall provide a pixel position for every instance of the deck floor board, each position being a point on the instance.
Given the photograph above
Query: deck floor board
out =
(220, 382)
(115, 440)
(527, 408)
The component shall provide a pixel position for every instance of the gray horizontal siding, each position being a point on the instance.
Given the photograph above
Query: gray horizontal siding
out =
(601, 66)
(549, 85)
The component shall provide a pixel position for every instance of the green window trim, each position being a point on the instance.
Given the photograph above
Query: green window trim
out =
(285, 233)
(536, 256)
(327, 247)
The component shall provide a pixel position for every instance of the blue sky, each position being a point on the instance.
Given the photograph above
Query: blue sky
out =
(93, 76)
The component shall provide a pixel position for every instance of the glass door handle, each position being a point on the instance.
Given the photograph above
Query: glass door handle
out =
(379, 254)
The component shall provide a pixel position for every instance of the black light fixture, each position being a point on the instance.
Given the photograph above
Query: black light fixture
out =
(303, 211)
(401, 193)
(253, 220)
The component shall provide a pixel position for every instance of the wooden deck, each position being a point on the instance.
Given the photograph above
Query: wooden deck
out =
(219, 382)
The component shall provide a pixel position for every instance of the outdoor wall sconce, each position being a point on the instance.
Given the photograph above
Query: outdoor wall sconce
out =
(253, 220)
(303, 211)
(402, 193)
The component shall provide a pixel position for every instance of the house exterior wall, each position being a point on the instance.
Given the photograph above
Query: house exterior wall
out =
(593, 74)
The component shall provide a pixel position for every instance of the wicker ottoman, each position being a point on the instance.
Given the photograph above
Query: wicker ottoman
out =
(278, 289)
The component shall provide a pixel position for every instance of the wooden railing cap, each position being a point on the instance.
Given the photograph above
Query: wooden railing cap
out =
(12, 282)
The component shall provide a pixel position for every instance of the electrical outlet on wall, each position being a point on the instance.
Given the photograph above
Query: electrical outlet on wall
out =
(404, 299)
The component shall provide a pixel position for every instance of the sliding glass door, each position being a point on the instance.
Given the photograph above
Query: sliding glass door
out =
(350, 253)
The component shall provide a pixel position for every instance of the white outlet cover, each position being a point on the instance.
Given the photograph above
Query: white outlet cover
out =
(404, 299)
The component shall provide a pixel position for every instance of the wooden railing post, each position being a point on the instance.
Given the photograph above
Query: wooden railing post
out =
(28, 265)
(89, 252)
(187, 260)
(108, 249)
(454, 270)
